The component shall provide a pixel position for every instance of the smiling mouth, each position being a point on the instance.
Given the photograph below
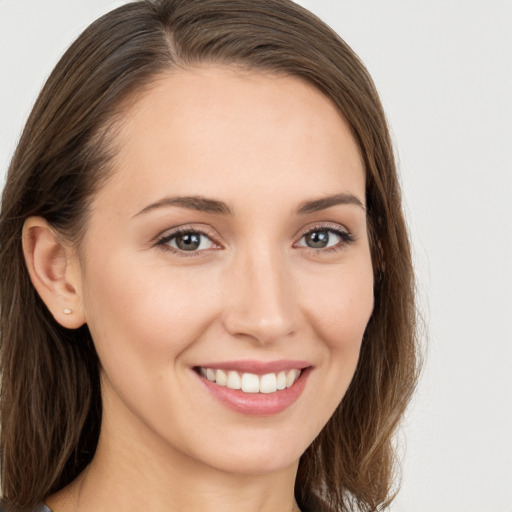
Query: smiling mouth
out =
(251, 382)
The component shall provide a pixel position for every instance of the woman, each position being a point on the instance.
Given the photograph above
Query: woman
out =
(207, 301)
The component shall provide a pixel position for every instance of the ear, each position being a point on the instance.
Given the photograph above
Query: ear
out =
(55, 272)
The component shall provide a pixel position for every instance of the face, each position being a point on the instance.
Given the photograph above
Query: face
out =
(228, 249)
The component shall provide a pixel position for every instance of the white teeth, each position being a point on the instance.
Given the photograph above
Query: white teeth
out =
(281, 380)
(291, 377)
(221, 378)
(250, 382)
(234, 381)
(268, 383)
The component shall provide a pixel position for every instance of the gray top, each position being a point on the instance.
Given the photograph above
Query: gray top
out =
(40, 508)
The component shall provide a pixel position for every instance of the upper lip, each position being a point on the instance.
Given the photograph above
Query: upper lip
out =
(257, 367)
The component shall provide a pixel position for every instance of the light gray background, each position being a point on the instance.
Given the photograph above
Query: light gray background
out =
(444, 71)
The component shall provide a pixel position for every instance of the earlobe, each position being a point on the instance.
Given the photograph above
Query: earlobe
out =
(54, 272)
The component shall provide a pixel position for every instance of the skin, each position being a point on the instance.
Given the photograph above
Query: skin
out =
(263, 145)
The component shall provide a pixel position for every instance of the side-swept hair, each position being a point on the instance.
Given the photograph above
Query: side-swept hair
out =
(50, 392)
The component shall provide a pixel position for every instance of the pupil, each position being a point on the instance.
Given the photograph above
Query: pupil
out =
(317, 239)
(188, 241)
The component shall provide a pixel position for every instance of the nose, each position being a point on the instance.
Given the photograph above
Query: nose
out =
(261, 303)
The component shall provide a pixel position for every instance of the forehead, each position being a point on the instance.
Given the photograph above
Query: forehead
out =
(223, 131)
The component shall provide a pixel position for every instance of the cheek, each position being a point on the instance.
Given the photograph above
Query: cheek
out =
(340, 305)
(142, 316)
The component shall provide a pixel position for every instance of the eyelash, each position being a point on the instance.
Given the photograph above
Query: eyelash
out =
(345, 236)
(164, 241)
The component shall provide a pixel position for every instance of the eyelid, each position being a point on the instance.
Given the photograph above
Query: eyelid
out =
(164, 237)
(346, 235)
(326, 225)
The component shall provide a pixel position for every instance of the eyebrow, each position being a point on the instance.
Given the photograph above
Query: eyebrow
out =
(203, 204)
(197, 203)
(327, 202)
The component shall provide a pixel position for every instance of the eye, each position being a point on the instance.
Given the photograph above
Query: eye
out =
(325, 238)
(187, 241)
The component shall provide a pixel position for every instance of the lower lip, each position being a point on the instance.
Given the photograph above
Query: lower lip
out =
(257, 404)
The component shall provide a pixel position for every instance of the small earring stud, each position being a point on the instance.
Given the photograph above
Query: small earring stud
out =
(68, 311)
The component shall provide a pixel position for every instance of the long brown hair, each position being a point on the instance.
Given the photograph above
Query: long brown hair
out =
(51, 401)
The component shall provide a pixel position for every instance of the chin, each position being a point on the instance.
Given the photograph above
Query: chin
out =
(262, 456)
